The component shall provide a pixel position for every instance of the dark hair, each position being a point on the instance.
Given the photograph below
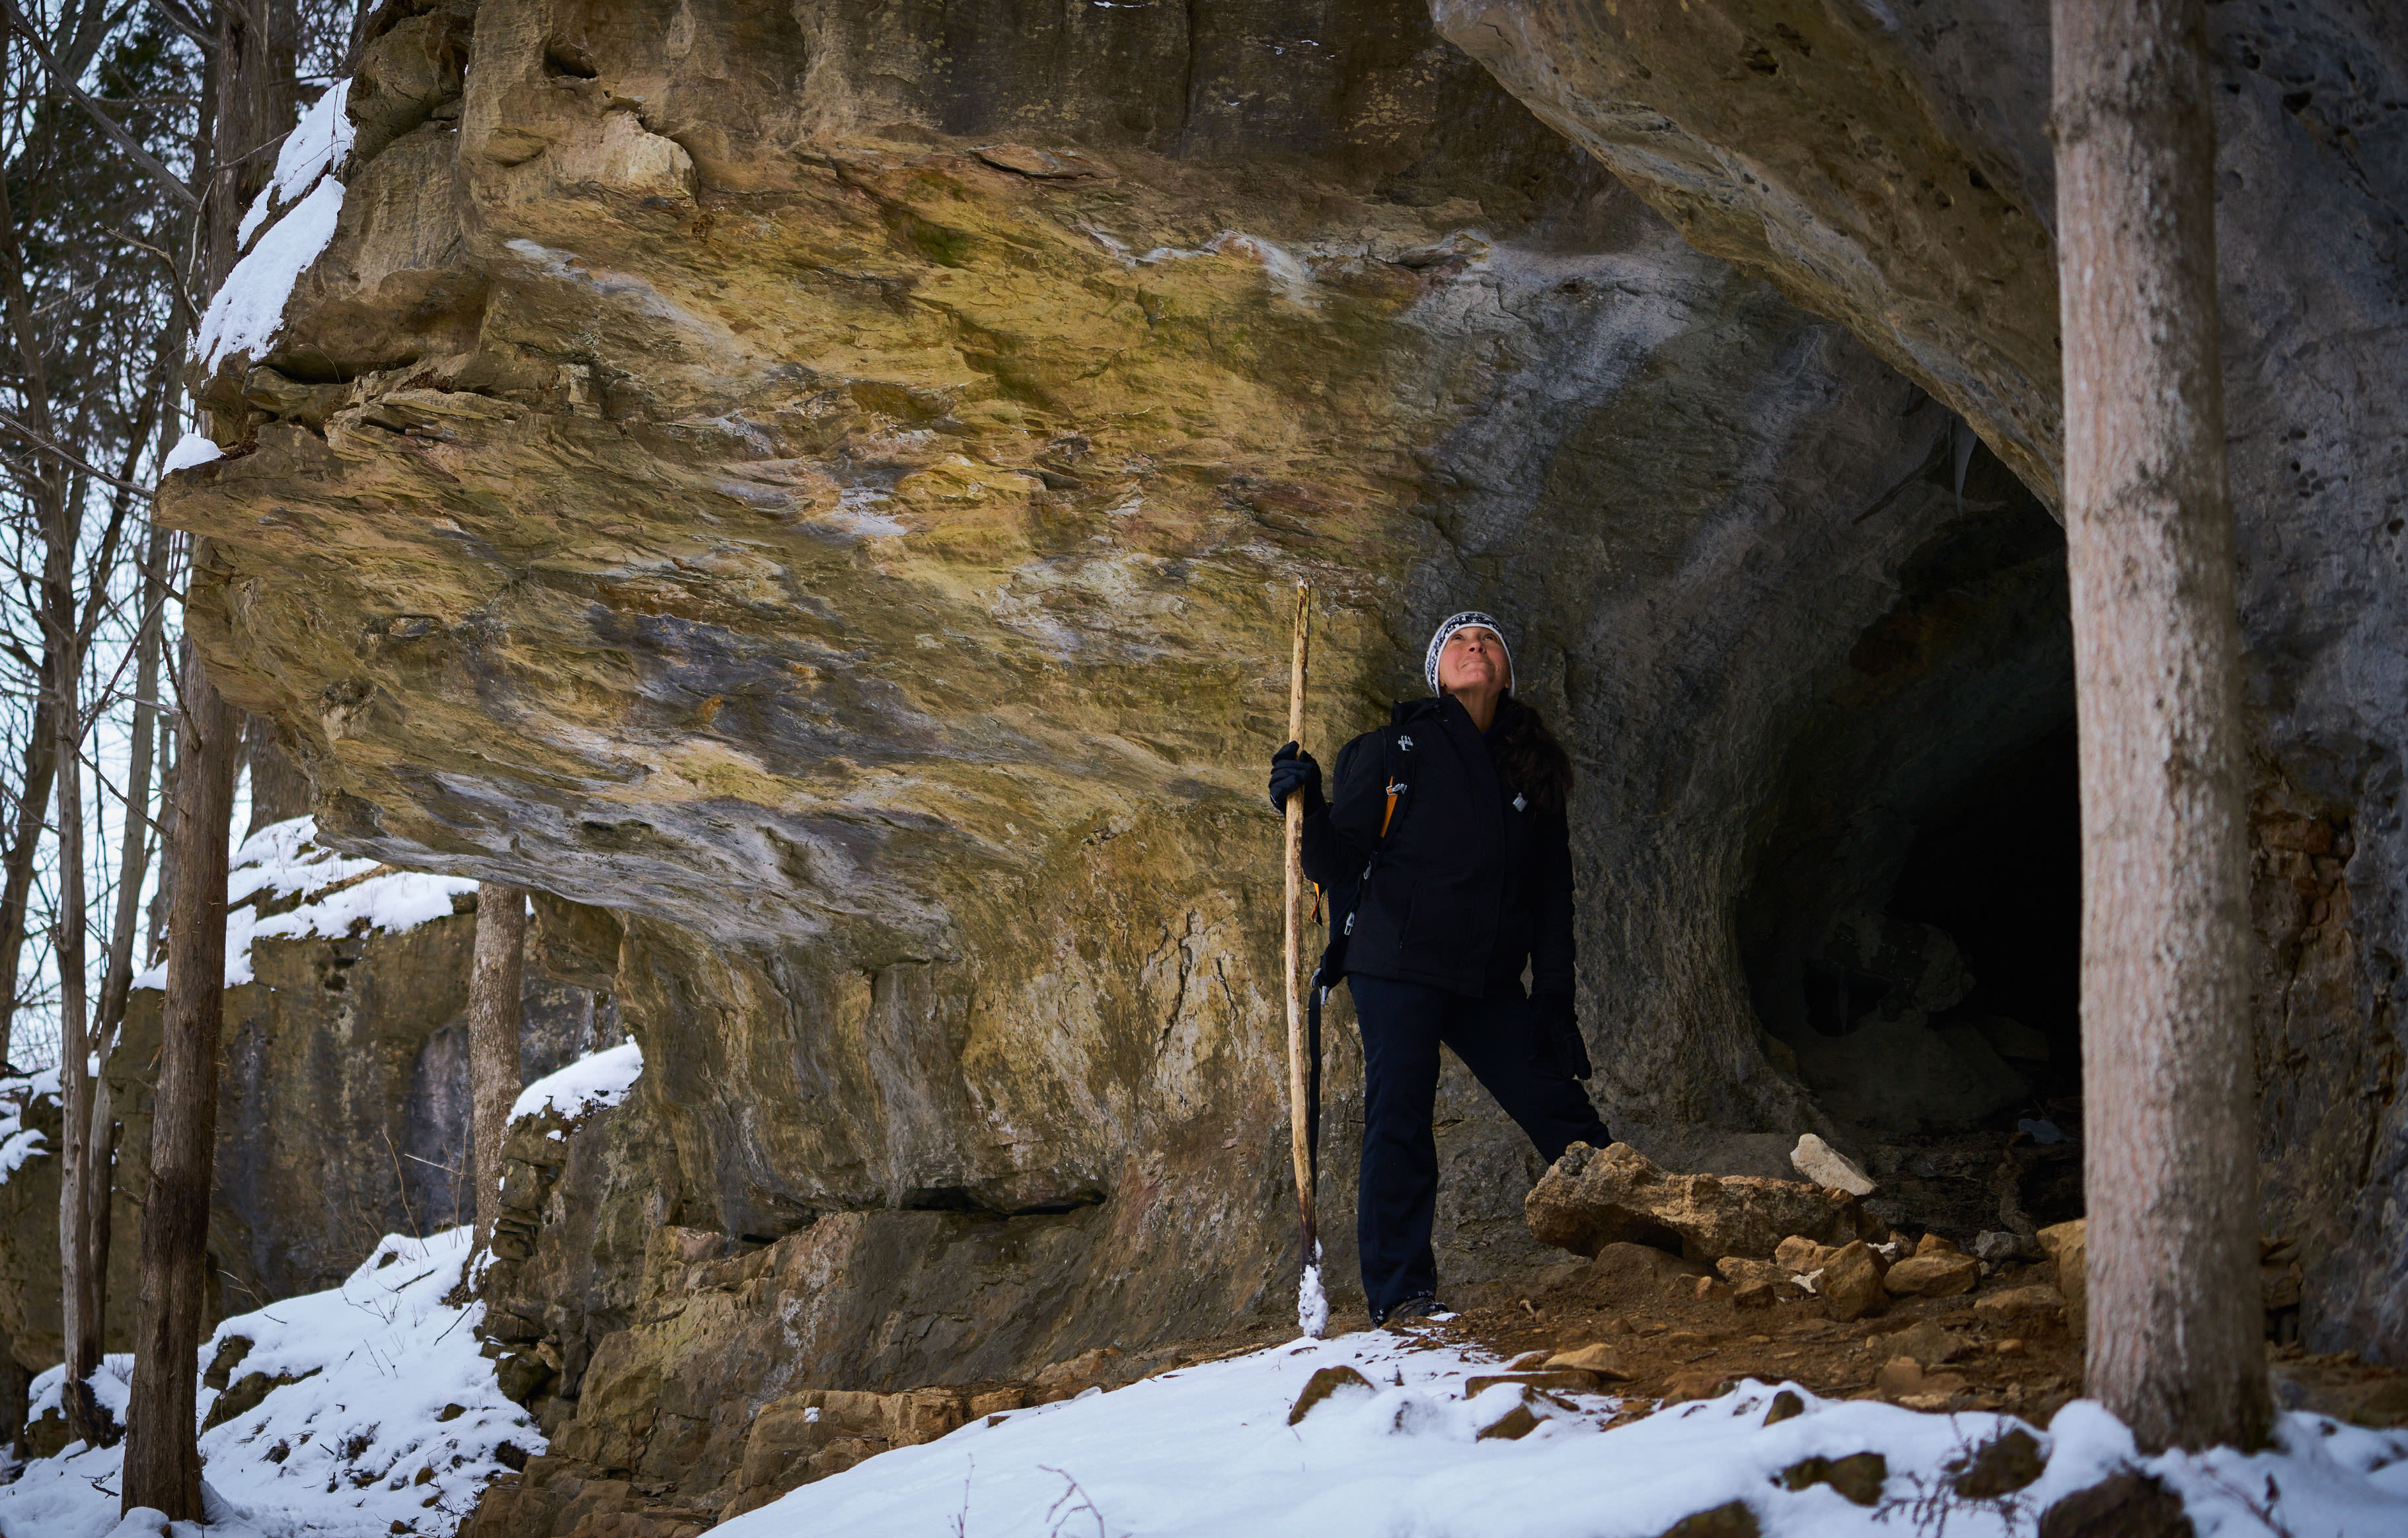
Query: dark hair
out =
(1528, 755)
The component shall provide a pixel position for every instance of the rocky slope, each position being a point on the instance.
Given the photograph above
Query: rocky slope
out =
(826, 485)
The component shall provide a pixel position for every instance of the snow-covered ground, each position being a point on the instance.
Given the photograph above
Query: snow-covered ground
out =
(284, 859)
(1207, 1451)
(393, 1425)
(362, 1446)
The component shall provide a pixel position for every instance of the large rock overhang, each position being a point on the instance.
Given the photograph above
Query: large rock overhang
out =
(834, 491)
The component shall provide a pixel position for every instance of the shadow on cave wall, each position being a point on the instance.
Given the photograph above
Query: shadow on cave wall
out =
(1911, 932)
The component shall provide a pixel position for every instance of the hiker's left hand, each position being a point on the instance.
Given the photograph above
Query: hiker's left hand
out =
(1293, 769)
(1559, 1033)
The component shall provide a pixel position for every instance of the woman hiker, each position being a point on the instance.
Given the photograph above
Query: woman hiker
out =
(1449, 824)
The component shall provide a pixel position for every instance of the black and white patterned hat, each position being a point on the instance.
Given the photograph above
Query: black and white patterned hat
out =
(1453, 622)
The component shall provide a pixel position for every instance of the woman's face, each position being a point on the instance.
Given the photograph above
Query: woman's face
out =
(1473, 661)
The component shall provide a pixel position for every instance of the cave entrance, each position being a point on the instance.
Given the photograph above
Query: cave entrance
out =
(1912, 925)
(1955, 1002)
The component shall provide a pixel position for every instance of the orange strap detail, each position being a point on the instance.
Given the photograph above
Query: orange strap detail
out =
(1316, 902)
(1389, 815)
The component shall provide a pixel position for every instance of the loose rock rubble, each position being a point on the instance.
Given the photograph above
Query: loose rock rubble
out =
(1594, 1197)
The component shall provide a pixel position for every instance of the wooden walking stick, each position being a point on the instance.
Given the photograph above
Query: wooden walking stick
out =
(1312, 1302)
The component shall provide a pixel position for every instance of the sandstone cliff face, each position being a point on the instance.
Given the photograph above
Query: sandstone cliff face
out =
(860, 561)
(827, 484)
(1888, 167)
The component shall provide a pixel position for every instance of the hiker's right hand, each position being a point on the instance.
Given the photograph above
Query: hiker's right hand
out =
(1294, 770)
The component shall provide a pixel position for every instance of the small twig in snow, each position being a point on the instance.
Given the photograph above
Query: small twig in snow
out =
(962, 1517)
(1066, 1507)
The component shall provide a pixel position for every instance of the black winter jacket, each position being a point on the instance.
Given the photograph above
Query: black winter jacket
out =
(1467, 886)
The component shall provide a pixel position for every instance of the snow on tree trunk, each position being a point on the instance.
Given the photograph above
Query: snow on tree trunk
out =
(2169, 1167)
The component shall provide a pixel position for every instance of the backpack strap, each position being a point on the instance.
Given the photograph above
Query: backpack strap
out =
(1391, 747)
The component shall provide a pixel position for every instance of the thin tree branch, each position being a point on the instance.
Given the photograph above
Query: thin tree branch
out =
(106, 125)
(37, 441)
(196, 31)
(175, 274)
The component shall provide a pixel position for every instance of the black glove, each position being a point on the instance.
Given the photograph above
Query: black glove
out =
(1560, 1045)
(1293, 770)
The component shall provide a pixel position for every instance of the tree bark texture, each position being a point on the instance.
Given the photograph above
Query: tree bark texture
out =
(17, 863)
(279, 789)
(78, 1303)
(495, 985)
(163, 1460)
(2175, 1326)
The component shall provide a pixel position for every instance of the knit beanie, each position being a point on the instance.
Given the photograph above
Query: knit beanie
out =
(1453, 622)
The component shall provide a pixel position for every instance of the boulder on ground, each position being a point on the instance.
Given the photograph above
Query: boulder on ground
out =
(1825, 1165)
(1622, 1265)
(1852, 1282)
(1755, 1284)
(1903, 1379)
(1801, 1254)
(1933, 1277)
(1596, 1357)
(1592, 1198)
(1738, 1271)
(2068, 1245)
(2014, 1305)
(2127, 1505)
(1924, 1340)
(1327, 1384)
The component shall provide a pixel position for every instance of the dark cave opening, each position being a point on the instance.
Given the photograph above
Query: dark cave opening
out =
(1912, 927)
(1912, 924)
(2005, 881)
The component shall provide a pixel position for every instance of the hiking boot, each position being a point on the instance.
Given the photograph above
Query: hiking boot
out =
(1417, 1309)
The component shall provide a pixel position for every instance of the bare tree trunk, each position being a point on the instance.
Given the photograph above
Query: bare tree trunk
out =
(279, 789)
(15, 1391)
(16, 863)
(2169, 1167)
(494, 993)
(163, 897)
(80, 1329)
(163, 1460)
(60, 506)
(98, 1181)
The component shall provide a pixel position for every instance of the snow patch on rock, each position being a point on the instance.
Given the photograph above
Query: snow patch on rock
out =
(190, 450)
(18, 1141)
(594, 1082)
(297, 210)
(316, 146)
(344, 895)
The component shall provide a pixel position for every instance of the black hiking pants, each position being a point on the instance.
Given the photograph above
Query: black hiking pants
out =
(1498, 1039)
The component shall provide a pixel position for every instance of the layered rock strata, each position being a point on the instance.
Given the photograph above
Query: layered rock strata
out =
(828, 489)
